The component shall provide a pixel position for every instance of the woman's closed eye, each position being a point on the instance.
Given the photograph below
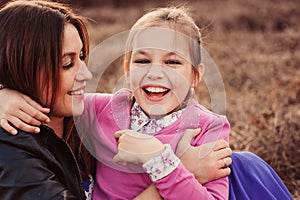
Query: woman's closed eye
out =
(69, 64)
(68, 61)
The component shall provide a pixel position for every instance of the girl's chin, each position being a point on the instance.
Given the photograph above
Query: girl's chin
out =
(156, 111)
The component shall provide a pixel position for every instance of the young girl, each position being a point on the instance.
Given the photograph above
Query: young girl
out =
(163, 72)
(163, 62)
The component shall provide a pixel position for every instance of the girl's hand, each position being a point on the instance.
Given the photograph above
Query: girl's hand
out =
(207, 162)
(20, 111)
(136, 147)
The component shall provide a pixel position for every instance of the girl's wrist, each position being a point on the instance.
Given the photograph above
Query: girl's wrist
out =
(161, 166)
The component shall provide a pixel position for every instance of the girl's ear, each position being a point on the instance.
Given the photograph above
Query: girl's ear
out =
(199, 75)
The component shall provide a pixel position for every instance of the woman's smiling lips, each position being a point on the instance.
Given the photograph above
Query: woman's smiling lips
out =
(78, 93)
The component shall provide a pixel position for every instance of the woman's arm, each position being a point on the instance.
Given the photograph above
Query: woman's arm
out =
(18, 111)
(205, 169)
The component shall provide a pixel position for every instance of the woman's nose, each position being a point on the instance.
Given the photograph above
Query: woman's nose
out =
(84, 73)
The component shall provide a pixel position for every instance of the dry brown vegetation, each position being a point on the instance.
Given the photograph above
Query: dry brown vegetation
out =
(256, 46)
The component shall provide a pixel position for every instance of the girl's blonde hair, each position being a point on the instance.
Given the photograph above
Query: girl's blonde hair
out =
(175, 18)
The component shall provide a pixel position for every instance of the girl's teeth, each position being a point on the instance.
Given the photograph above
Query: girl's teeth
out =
(156, 89)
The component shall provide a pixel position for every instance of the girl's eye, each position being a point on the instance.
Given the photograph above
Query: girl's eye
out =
(173, 62)
(142, 61)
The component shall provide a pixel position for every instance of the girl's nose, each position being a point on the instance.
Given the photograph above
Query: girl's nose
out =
(84, 73)
(155, 72)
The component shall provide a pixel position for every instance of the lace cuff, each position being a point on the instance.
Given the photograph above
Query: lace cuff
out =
(161, 166)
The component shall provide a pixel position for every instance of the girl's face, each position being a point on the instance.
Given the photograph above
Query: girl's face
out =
(73, 76)
(159, 78)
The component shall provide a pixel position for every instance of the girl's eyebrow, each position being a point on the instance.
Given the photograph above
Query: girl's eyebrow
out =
(140, 52)
(172, 53)
(145, 53)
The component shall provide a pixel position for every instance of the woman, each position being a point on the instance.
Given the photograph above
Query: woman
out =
(43, 47)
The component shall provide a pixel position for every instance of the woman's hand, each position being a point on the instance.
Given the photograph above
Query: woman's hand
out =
(136, 147)
(20, 111)
(207, 162)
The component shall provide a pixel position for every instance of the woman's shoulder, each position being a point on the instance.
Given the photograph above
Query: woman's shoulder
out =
(17, 146)
(25, 143)
(6, 137)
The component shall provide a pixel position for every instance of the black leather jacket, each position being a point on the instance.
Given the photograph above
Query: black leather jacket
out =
(37, 166)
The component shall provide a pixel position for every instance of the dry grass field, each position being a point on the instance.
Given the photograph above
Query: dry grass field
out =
(256, 46)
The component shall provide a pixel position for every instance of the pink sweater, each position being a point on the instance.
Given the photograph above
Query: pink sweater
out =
(105, 114)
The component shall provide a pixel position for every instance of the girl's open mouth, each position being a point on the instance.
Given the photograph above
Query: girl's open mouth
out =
(156, 92)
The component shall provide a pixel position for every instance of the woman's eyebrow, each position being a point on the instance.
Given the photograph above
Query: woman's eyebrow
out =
(69, 54)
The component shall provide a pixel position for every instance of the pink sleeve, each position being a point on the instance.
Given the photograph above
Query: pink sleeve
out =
(181, 184)
(93, 106)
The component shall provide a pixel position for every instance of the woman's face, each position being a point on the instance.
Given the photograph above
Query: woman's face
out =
(73, 76)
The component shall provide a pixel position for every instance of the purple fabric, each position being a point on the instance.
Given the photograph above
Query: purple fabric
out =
(252, 178)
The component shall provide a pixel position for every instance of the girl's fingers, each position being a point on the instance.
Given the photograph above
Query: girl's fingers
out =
(118, 134)
(19, 124)
(34, 113)
(6, 126)
(35, 104)
(26, 118)
(117, 159)
(22, 116)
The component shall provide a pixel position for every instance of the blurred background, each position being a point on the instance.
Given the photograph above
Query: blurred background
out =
(256, 46)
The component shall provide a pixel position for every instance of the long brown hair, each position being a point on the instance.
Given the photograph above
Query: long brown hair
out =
(31, 47)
